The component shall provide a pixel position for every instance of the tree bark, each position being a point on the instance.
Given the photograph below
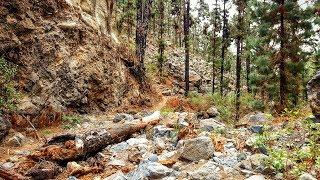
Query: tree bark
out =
(214, 48)
(282, 65)
(186, 41)
(161, 40)
(70, 147)
(224, 34)
(143, 17)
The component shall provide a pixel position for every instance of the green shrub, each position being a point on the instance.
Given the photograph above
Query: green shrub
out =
(71, 121)
(277, 159)
(165, 111)
(8, 93)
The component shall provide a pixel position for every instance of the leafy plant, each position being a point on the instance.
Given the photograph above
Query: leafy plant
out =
(277, 159)
(71, 121)
(8, 93)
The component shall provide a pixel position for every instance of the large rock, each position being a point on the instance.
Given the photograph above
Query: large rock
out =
(313, 88)
(150, 170)
(5, 126)
(196, 149)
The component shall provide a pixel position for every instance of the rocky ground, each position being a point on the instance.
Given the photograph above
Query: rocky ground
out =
(182, 146)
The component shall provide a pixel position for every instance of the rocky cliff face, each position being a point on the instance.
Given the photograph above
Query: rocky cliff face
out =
(65, 56)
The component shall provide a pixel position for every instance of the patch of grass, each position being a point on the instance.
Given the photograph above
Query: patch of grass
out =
(70, 121)
(47, 132)
(277, 159)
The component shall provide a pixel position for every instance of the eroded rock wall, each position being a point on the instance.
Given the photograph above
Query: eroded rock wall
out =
(65, 56)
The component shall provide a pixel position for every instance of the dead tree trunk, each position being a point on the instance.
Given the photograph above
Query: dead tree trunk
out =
(70, 147)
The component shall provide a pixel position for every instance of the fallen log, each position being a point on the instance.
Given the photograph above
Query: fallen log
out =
(71, 147)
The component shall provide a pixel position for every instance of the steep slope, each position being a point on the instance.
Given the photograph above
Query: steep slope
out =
(64, 56)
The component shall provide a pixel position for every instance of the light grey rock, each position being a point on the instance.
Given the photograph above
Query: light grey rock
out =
(229, 145)
(279, 176)
(257, 160)
(117, 162)
(119, 147)
(306, 176)
(213, 112)
(256, 128)
(230, 161)
(210, 124)
(256, 177)
(196, 149)
(153, 158)
(151, 170)
(117, 176)
(7, 165)
(259, 117)
(137, 141)
(163, 131)
(182, 123)
(122, 116)
(208, 171)
(72, 178)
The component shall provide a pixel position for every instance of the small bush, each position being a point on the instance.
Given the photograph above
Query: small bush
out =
(71, 121)
(8, 93)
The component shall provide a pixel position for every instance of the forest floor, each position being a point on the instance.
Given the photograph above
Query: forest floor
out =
(187, 144)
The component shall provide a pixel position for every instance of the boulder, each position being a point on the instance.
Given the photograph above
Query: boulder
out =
(212, 112)
(163, 131)
(256, 129)
(5, 126)
(150, 170)
(313, 90)
(210, 124)
(196, 149)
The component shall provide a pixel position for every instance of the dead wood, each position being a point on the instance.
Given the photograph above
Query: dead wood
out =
(70, 147)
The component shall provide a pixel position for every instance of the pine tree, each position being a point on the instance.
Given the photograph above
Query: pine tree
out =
(143, 17)
(225, 34)
(161, 34)
(186, 21)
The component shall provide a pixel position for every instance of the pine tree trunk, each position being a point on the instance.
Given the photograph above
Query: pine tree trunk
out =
(223, 47)
(186, 41)
(238, 65)
(214, 49)
(282, 65)
(248, 65)
(161, 41)
(143, 17)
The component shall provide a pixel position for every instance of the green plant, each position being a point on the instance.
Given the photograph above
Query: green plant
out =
(71, 121)
(165, 111)
(8, 93)
(277, 159)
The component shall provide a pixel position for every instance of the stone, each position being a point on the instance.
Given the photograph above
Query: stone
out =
(230, 161)
(229, 145)
(306, 176)
(259, 117)
(196, 149)
(163, 131)
(257, 160)
(73, 166)
(279, 176)
(137, 141)
(182, 123)
(208, 171)
(313, 91)
(213, 112)
(119, 147)
(72, 178)
(7, 165)
(116, 176)
(5, 126)
(150, 170)
(153, 158)
(16, 140)
(256, 129)
(210, 124)
(117, 162)
(122, 116)
(256, 177)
